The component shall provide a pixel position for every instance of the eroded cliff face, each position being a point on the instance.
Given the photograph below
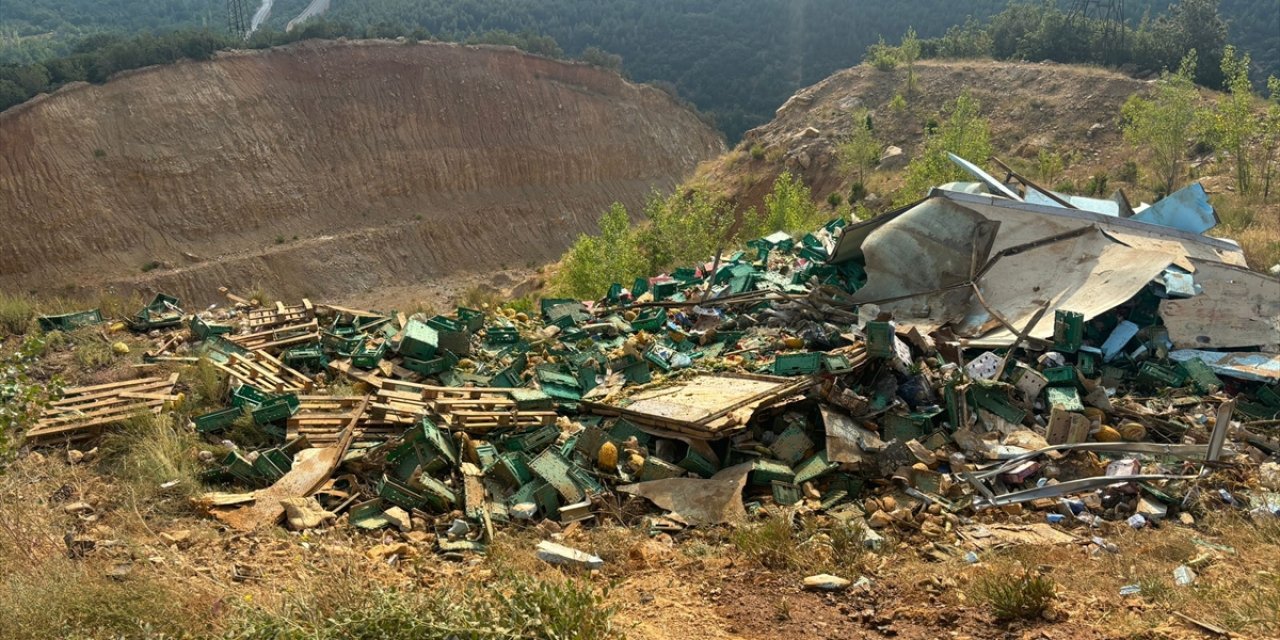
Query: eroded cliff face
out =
(327, 169)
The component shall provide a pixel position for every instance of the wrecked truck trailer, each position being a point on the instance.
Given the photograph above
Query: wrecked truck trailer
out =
(995, 345)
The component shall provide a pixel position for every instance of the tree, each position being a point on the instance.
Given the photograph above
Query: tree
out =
(909, 51)
(788, 207)
(964, 133)
(1233, 124)
(1161, 125)
(684, 228)
(860, 151)
(1270, 143)
(1196, 25)
(598, 57)
(595, 262)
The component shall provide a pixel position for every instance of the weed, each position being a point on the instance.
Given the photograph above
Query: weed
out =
(757, 151)
(1154, 588)
(1016, 596)
(149, 451)
(857, 192)
(772, 544)
(151, 266)
(16, 314)
(783, 612)
(279, 239)
(206, 385)
(481, 297)
(99, 153)
(1065, 186)
(835, 199)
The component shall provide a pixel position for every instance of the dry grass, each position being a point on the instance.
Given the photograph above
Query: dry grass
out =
(802, 545)
(148, 452)
(16, 314)
(1015, 595)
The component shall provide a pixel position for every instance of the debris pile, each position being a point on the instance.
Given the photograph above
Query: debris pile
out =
(994, 350)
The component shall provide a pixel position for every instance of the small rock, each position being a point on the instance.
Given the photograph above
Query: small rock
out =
(75, 456)
(1095, 129)
(826, 582)
(524, 511)
(880, 520)
(893, 158)
(78, 507)
(810, 132)
(418, 537)
(559, 554)
(399, 518)
(181, 537)
(205, 456)
(91, 455)
(804, 160)
(459, 528)
(1186, 518)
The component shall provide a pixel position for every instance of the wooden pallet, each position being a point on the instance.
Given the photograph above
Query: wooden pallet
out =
(83, 411)
(280, 315)
(277, 338)
(264, 371)
(322, 418)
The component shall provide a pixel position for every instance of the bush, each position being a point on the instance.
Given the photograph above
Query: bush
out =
(812, 546)
(595, 262)
(882, 56)
(150, 266)
(757, 151)
(834, 199)
(857, 192)
(788, 207)
(22, 397)
(1128, 172)
(1016, 596)
(965, 133)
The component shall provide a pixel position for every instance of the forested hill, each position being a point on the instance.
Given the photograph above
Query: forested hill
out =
(735, 59)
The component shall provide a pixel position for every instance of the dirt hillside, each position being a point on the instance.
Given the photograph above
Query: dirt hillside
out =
(329, 169)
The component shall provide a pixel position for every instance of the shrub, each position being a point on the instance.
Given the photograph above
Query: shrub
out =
(757, 151)
(22, 397)
(834, 199)
(1128, 172)
(149, 451)
(684, 229)
(965, 133)
(1097, 184)
(595, 262)
(150, 266)
(883, 56)
(1016, 596)
(788, 207)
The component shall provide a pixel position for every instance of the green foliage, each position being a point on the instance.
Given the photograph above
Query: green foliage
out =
(788, 207)
(969, 40)
(757, 151)
(595, 262)
(151, 265)
(22, 396)
(909, 52)
(1270, 142)
(91, 351)
(514, 605)
(860, 151)
(684, 229)
(1097, 184)
(1161, 124)
(1233, 123)
(882, 56)
(834, 199)
(965, 133)
(1128, 172)
(898, 104)
(1016, 596)
(599, 57)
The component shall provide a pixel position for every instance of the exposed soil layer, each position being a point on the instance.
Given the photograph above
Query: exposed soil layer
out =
(327, 169)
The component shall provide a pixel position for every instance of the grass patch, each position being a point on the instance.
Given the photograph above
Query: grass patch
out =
(206, 387)
(1015, 596)
(91, 350)
(812, 545)
(16, 314)
(60, 598)
(149, 451)
(510, 606)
